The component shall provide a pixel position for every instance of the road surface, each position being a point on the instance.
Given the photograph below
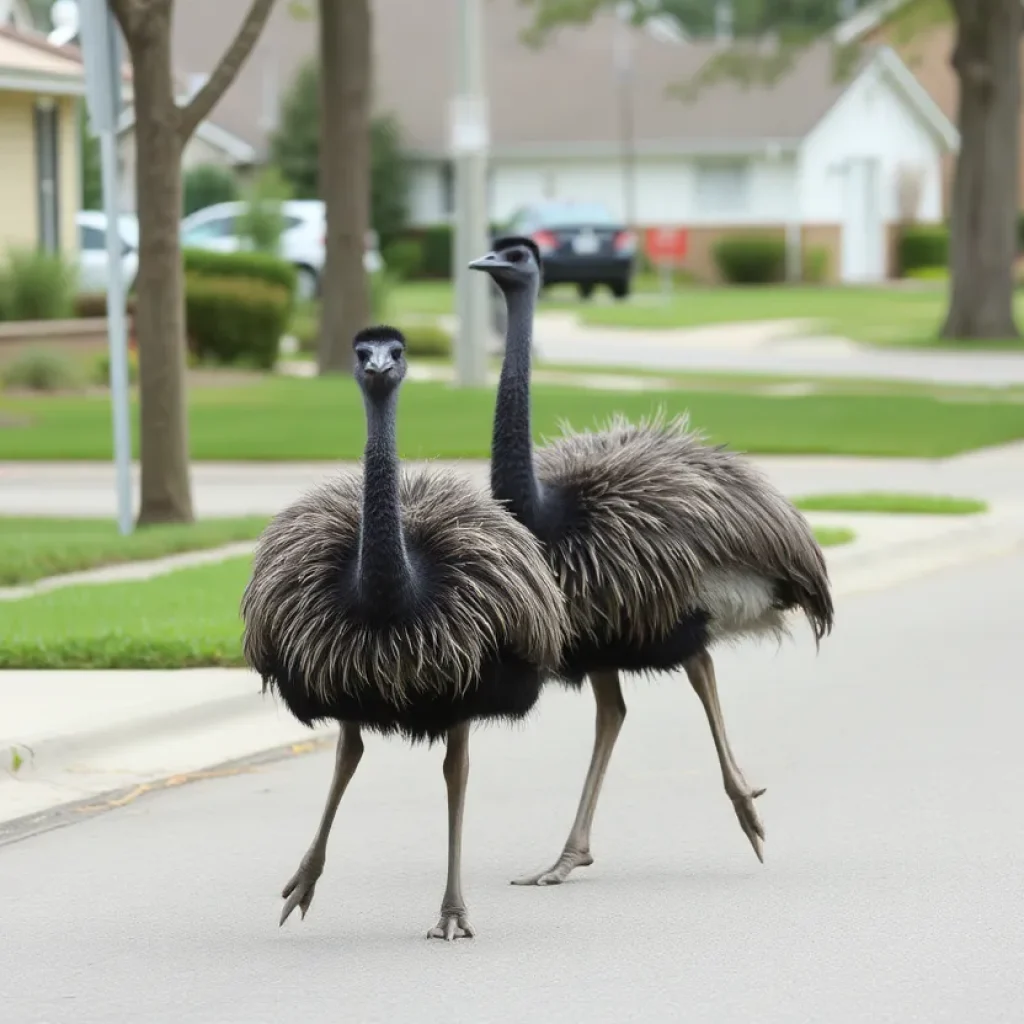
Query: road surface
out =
(891, 890)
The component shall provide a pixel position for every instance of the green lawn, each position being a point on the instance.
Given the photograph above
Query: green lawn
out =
(893, 504)
(323, 419)
(184, 619)
(31, 549)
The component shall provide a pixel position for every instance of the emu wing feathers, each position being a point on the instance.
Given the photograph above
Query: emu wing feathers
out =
(661, 516)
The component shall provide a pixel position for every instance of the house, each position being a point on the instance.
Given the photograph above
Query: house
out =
(928, 54)
(818, 157)
(40, 176)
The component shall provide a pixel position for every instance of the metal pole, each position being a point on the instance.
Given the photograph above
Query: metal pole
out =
(472, 234)
(624, 67)
(117, 335)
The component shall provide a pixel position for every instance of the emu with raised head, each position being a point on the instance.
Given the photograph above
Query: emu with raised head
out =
(408, 605)
(663, 546)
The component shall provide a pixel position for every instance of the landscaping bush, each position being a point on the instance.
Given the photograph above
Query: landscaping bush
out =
(41, 370)
(205, 185)
(815, 269)
(101, 369)
(38, 286)
(426, 339)
(93, 306)
(260, 266)
(404, 258)
(231, 320)
(751, 259)
(923, 246)
(261, 221)
(436, 244)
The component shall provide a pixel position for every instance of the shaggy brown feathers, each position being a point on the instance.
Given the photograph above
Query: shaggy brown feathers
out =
(663, 521)
(490, 589)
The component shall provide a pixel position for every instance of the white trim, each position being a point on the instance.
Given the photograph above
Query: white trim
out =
(918, 97)
(32, 82)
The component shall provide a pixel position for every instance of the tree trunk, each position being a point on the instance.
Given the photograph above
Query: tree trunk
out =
(983, 229)
(160, 316)
(345, 65)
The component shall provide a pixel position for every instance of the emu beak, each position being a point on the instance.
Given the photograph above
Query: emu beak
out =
(379, 363)
(492, 261)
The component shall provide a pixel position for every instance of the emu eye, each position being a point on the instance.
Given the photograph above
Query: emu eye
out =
(396, 353)
(362, 355)
(516, 256)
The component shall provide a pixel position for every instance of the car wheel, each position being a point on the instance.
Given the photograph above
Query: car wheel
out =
(307, 284)
(585, 290)
(620, 289)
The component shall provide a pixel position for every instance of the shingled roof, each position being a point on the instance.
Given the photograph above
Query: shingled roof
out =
(562, 97)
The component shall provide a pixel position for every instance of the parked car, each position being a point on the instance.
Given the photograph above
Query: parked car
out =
(302, 241)
(93, 263)
(580, 243)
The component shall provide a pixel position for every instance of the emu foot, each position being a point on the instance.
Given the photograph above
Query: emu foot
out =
(301, 887)
(743, 804)
(560, 870)
(453, 924)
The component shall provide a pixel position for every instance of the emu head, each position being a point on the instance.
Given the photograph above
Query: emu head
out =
(380, 359)
(513, 263)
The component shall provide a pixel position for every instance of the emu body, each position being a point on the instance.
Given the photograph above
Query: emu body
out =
(403, 605)
(662, 545)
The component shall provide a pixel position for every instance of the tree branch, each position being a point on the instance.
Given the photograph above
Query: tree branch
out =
(198, 109)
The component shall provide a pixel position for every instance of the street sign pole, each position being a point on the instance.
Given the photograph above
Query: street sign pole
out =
(469, 143)
(101, 55)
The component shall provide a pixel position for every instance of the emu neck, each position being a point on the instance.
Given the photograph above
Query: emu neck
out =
(385, 576)
(513, 479)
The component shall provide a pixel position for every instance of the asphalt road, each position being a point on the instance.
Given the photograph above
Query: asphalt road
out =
(891, 890)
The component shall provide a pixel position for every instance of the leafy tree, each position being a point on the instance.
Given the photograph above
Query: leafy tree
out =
(986, 58)
(262, 221)
(207, 184)
(295, 149)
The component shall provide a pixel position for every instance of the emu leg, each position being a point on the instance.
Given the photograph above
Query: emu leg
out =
(302, 885)
(453, 922)
(701, 671)
(611, 712)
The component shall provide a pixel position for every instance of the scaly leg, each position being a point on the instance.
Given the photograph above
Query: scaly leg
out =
(701, 671)
(611, 712)
(453, 923)
(302, 885)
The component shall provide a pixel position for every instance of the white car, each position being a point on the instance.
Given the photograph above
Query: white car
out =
(93, 263)
(302, 241)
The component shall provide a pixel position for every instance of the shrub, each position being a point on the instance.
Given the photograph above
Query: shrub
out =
(751, 259)
(259, 266)
(815, 268)
(41, 370)
(205, 185)
(262, 218)
(923, 246)
(305, 327)
(101, 369)
(38, 286)
(426, 339)
(93, 306)
(231, 320)
(928, 274)
(404, 258)
(436, 245)
(381, 287)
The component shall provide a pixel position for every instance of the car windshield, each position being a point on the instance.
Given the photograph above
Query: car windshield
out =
(572, 214)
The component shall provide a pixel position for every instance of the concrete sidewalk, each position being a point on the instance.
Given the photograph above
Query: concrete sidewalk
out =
(74, 736)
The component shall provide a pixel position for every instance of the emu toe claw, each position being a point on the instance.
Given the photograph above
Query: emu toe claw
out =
(453, 924)
(300, 889)
(743, 804)
(559, 871)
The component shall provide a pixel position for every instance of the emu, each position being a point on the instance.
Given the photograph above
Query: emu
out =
(663, 546)
(409, 605)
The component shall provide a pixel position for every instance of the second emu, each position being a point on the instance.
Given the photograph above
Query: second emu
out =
(663, 546)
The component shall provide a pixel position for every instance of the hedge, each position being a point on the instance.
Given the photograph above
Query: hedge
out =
(922, 246)
(436, 248)
(254, 265)
(232, 320)
(751, 259)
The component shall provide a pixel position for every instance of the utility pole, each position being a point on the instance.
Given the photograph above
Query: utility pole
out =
(469, 145)
(623, 51)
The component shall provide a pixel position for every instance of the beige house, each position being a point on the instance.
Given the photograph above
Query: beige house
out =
(40, 90)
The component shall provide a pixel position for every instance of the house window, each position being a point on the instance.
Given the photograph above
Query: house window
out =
(722, 186)
(47, 125)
